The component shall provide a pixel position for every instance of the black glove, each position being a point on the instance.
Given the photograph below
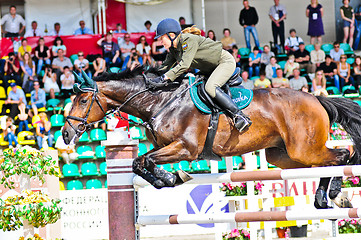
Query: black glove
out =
(158, 82)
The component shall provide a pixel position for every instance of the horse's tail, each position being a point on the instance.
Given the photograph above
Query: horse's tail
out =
(347, 113)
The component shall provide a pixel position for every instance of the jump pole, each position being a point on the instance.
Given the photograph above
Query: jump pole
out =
(244, 176)
(301, 214)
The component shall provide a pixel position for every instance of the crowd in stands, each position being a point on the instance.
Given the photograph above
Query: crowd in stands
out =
(31, 77)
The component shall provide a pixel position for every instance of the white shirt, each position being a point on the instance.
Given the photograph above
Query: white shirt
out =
(293, 42)
(140, 49)
(81, 64)
(54, 33)
(12, 25)
(30, 33)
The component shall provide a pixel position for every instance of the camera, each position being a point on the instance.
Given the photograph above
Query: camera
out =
(134, 54)
(11, 59)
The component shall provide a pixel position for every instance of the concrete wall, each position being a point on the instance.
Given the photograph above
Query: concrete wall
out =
(225, 13)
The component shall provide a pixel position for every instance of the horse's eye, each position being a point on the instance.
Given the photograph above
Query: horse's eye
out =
(84, 101)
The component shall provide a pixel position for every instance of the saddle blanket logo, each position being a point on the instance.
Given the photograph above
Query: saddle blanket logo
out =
(241, 98)
(184, 46)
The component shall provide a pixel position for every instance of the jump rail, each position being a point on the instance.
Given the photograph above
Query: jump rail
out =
(301, 214)
(243, 176)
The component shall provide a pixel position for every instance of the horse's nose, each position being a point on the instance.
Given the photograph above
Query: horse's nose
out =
(66, 137)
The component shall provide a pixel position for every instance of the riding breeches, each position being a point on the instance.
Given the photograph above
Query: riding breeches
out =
(221, 74)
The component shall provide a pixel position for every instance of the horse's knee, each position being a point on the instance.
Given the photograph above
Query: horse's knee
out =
(137, 166)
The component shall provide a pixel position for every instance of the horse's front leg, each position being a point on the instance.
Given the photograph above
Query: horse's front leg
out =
(139, 169)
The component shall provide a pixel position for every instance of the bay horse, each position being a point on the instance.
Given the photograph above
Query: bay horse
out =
(292, 127)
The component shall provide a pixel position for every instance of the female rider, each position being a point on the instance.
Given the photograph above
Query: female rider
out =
(190, 50)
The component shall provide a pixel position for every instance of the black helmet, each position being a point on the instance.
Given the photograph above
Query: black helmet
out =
(168, 25)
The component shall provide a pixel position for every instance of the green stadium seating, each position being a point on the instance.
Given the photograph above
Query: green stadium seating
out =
(327, 47)
(93, 184)
(57, 120)
(57, 134)
(73, 58)
(282, 64)
(346, 48)
(350, 60)
(98, 134)
(74, 185)
(309, 47)
(103, 168)
(106, 183)
(52, 104)
(114, 69)
(89, 169)
(142, 149)
(84, 152)
(84, 137)
(200, 166)
(182, 165)
(222, 165)
(236, 160)
(166, 167)
(70, 170)
(135, 119)
(244, 52)
(100, 152)
(136, 132)
(333, 89)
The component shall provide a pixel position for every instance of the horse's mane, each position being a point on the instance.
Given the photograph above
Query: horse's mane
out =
(127, 74)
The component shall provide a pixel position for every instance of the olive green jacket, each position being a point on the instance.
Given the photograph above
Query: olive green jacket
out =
(192, 51)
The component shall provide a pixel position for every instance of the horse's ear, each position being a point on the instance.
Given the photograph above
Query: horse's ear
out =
(78, 79)
(88, 80)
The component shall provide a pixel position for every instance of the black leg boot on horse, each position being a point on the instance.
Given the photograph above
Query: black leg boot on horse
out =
(240, 120)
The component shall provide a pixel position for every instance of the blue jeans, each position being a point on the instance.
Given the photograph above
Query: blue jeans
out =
(40, 65)
(256, 70)
(336, 80)
(10, 137)
(22, 124)
(40, 140)
(247, 31)
(350, 82)
(109, 62)
(357, 34)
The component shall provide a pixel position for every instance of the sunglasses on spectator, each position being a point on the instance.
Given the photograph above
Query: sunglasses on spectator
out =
(80, 55)
(336, 46)
(343, 57)
(127, 37)
(319, 73)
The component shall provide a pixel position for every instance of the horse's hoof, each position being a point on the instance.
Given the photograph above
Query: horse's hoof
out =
(169, 179)
(158, 184)
(342, 201)
(320, 199)
(182, 177)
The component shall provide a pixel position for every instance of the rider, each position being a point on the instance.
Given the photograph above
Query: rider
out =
(188, 49)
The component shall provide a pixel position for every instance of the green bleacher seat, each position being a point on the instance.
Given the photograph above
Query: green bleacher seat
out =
(282, 64)
(106, 183)
(74, 185)
(254, 78)
(66, 101)
(222, 165)
(244, 52)
(73, 58)
(52, 104)
(333, 90)
(93, 184)
(85, 152)
(70, 170)
(309, 47)
(114, 69)
(236, 161)
(100, 152)
(84, 137)
(98, 134)
(358, 102)
(135, 119)
(350, 60)
(57, 134)
(151, 147)
(103, 168)
(136, 132)
(327, 47)
(346, 48)
(348, 87)
(166, 167)
(89, 169)
(57, 120)
(200, 166)
(142, 149)
(182, 165)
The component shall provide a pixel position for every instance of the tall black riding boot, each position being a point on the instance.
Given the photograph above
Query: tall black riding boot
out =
(240, 120)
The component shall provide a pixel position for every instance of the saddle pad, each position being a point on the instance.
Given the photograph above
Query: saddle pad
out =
(242, 97)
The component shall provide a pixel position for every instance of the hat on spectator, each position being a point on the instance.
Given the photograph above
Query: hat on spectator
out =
(301, 43)
(12, 84)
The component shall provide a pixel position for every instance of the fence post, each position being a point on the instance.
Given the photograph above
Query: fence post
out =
(120, 153)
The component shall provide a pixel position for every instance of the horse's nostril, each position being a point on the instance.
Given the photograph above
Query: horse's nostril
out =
(66, 134)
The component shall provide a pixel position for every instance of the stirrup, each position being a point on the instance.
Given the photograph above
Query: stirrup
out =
(242, 124)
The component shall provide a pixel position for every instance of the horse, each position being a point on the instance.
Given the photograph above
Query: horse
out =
(292, 126)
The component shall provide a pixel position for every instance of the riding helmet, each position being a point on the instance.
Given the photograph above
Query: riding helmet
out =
(168, 25)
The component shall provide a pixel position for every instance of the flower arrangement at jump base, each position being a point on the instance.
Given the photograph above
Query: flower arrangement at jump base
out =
(240, 189)
(349, 182)
(237, 234)
(338, 133)
(349, 226)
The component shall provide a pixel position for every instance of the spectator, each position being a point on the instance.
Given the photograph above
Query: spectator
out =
(9, 132)
(317, 56)
(67, 152)
(290, 65)
(82, 63)
(236, 55)
(56, 31)
(357, 72)
(133, 60)
(38, 99)
(111, 52)
(262, 82)
(357, 27)
(24, 48)
(271, 68)
(99, 65)
(183, 24)
(126, 46)
(60, 62)
(28, 68)
(319, 84)
(348, 17)
(254, 61)
(42, 54)
(211, 35)
(279, 81)
(120, 29)
(144, 50)
(67, 82)
(34, 31)
(159, 52)
(58, 44)
(43, 131)
(302, 57)
(69, 105)
(248, 18)
(83, 30)
(336, 52)
(23, 118)
(329, 69)
(246, 82)
(344, 72)
(292, 42)
(12, 23)
(49, 80)
(148, 26)
(314, 12)
(15, 97)
(227, 41)
(297, 82)
(266, 56)
(277, 14)
(11, 70)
